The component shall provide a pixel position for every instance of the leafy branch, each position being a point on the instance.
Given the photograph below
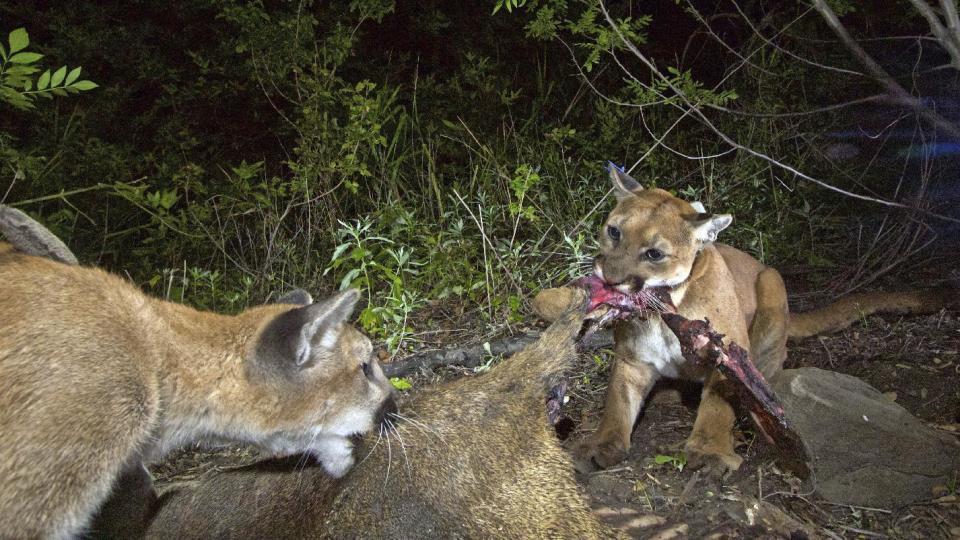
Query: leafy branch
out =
(17, 70)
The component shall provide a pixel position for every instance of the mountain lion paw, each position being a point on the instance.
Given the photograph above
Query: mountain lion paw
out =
(590, 455)
(713, 464)
(549, 304)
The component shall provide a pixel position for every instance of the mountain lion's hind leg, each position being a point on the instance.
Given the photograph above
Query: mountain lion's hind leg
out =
(768, 332)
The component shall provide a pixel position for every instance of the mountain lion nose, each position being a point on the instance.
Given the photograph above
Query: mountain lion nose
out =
(629, 285)
(386, 411)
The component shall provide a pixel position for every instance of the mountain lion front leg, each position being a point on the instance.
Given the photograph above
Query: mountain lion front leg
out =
(629, 385)
(710, 446)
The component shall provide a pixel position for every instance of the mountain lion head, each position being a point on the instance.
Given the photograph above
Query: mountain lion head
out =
(314, 381)
(651, 238)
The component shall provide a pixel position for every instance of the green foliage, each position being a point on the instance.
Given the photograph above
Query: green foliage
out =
(371, 262)
(317, 144)
(510, 5)
(400, 383)
(678, 461)
(524, 178)
(17, 87)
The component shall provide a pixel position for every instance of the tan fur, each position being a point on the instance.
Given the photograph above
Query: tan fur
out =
(471, 458)
(95, 376)
(854, 307)
(743, 299)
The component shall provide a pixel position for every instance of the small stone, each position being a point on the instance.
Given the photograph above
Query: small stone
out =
(955, 532)
(940, 490)
(892, 396)
(923, 393)
(937, 361)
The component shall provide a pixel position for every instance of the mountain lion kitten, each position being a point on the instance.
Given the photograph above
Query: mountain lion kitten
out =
(469, 458)
(97, 377)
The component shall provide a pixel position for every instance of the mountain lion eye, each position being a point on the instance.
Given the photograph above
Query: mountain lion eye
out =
(613, 233)
(654, 254)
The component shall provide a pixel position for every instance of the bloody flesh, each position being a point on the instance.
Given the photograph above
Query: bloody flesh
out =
(702, 344)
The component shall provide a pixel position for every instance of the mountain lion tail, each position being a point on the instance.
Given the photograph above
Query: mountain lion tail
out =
(849, 309)
(32, 238)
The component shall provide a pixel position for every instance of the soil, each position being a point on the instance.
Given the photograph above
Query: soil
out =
(915, 360)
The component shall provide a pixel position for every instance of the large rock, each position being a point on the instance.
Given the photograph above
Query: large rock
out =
(865, 449)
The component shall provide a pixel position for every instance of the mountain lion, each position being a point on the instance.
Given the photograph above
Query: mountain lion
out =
(651, 239)
(96, 377)
(469, 458)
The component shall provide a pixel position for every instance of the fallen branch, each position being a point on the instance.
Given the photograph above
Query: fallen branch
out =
(475, 355)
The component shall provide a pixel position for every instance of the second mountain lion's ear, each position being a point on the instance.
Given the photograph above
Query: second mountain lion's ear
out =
(708, 226)
(623, 184)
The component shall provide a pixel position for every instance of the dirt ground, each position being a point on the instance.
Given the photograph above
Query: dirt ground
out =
(913, 359)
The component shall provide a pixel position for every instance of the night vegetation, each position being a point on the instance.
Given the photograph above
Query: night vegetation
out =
(218, 152)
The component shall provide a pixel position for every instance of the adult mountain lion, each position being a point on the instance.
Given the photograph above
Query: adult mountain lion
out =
(651, 239)
(96, 376)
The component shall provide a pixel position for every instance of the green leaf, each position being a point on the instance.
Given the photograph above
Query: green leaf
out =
(44, 81)
(660, 459)
(73, 75)
(15, 99)
(3, 53)
(400, 383)
(58, 76)
(84, 85)
(25, 58)
(19, 39)
(19, 71)
(338, 251)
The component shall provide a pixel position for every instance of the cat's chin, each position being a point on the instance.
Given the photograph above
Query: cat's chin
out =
(335, 453)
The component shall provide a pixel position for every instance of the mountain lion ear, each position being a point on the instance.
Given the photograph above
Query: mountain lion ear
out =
(293, 337)
(698, 207)
(298, 297)
(707, 226)
(623, 184)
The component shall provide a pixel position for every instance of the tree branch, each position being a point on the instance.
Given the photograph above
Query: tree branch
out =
(471, 356)
(946, 38)
(698, 113)
(897, 93)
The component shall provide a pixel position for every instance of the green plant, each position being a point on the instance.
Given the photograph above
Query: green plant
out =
(678, 461)
(400, 383)
(17, 86)
(369, 261)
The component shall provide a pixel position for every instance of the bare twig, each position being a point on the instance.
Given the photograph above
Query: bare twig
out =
(729, 140)
(787, 52)
(896, 92)
(948, 38)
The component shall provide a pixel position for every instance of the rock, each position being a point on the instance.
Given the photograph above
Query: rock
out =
(865, 449)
